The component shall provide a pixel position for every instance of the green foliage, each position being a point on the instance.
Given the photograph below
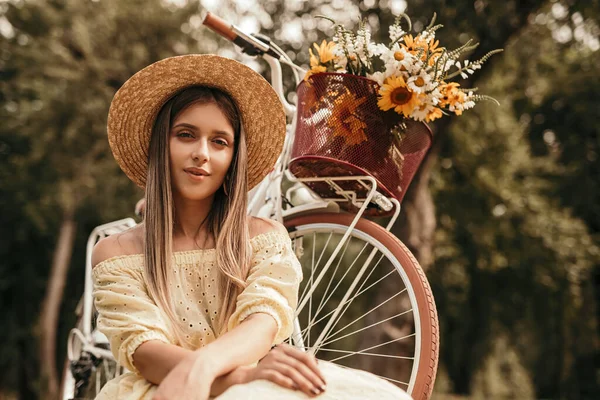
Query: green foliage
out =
(517, 188)
(518, 243)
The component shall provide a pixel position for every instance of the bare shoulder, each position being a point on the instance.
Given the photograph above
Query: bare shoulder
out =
(258, 226)
(120, 244)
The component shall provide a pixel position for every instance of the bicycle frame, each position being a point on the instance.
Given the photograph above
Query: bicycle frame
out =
(266, 199)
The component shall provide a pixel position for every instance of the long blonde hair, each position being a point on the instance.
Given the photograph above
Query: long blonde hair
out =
(227, 221)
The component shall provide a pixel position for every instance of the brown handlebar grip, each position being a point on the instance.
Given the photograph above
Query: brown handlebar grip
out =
(220, 26)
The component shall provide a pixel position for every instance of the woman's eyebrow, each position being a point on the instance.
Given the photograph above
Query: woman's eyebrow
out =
(184, 125)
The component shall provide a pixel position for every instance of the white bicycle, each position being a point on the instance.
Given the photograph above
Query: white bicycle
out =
(364, 302)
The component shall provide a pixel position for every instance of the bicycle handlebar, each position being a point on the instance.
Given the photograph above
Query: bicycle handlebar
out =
(220, 26)
(249, 44)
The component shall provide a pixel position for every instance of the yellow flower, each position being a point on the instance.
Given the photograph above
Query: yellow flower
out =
(433, 114)
(344, 120)
(433, 46)
(395, 94)
(325, 51)
(435, 51)
(315, 70)
(413, 45)
(450, 94)
(314, 61)
(398, 56)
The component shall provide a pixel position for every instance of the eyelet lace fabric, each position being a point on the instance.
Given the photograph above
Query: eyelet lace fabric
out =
(129, 317)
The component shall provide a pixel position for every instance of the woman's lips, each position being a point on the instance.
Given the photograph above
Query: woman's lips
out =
(195, 177)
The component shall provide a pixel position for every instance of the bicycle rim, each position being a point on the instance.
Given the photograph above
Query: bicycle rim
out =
(388, 325)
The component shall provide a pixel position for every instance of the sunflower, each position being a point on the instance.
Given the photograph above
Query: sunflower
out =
(344, 120)
(395, 94)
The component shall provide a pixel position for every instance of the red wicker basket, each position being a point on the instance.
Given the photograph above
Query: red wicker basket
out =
(340, 131)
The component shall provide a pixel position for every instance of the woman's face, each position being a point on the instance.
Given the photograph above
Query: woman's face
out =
(201, 149)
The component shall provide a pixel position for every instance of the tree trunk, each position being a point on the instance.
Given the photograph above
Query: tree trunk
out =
(51, 305)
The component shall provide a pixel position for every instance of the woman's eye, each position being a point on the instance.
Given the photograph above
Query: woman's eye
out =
(221, 142)
(185, 134)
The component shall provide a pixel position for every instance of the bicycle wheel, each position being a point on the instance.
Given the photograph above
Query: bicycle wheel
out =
(388, 325)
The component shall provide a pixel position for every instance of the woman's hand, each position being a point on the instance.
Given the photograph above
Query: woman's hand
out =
(291, 368)
(190, 379)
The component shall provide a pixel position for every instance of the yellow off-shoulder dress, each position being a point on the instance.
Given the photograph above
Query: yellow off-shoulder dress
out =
(129, 317)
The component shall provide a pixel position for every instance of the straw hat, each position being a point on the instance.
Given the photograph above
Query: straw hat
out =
(137, 103)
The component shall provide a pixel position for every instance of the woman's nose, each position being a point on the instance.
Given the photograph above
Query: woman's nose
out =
(200, 152)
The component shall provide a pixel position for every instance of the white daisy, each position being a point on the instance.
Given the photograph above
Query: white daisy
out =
(420, 82)
(388, 56)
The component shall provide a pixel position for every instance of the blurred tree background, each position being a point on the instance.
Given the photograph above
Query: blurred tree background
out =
(504, 215)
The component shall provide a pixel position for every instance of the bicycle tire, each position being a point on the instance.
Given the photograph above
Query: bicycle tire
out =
(429, 328)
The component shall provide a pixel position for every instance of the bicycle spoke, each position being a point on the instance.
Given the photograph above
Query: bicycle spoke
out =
(366, 354)
(347, 304)
(346, 273)
(312, 322)
(393, 380)
(373, 347)
(323, 301)
(312, 274)
(334, 289)
(351, 299)
(367, 313)
(308, 287)
(340, 312)
(367, 327)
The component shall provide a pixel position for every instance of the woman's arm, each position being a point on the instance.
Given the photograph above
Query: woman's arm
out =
(156, 359)
(245, 344)
(289, 367)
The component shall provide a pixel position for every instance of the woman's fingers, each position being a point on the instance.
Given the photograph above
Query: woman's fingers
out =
(304, 359)
(303, 382)
(305, 372)
(301, 367)
(278, 378)
(289, 367)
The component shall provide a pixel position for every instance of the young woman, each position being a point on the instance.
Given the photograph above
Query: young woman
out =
(196, 295)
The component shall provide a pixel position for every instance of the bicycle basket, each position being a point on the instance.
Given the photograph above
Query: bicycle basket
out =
(340, 131)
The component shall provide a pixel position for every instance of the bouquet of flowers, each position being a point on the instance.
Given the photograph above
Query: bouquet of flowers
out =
(363, 107)
(414, 72)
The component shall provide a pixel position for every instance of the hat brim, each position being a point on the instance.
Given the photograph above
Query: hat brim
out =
(136, 104)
